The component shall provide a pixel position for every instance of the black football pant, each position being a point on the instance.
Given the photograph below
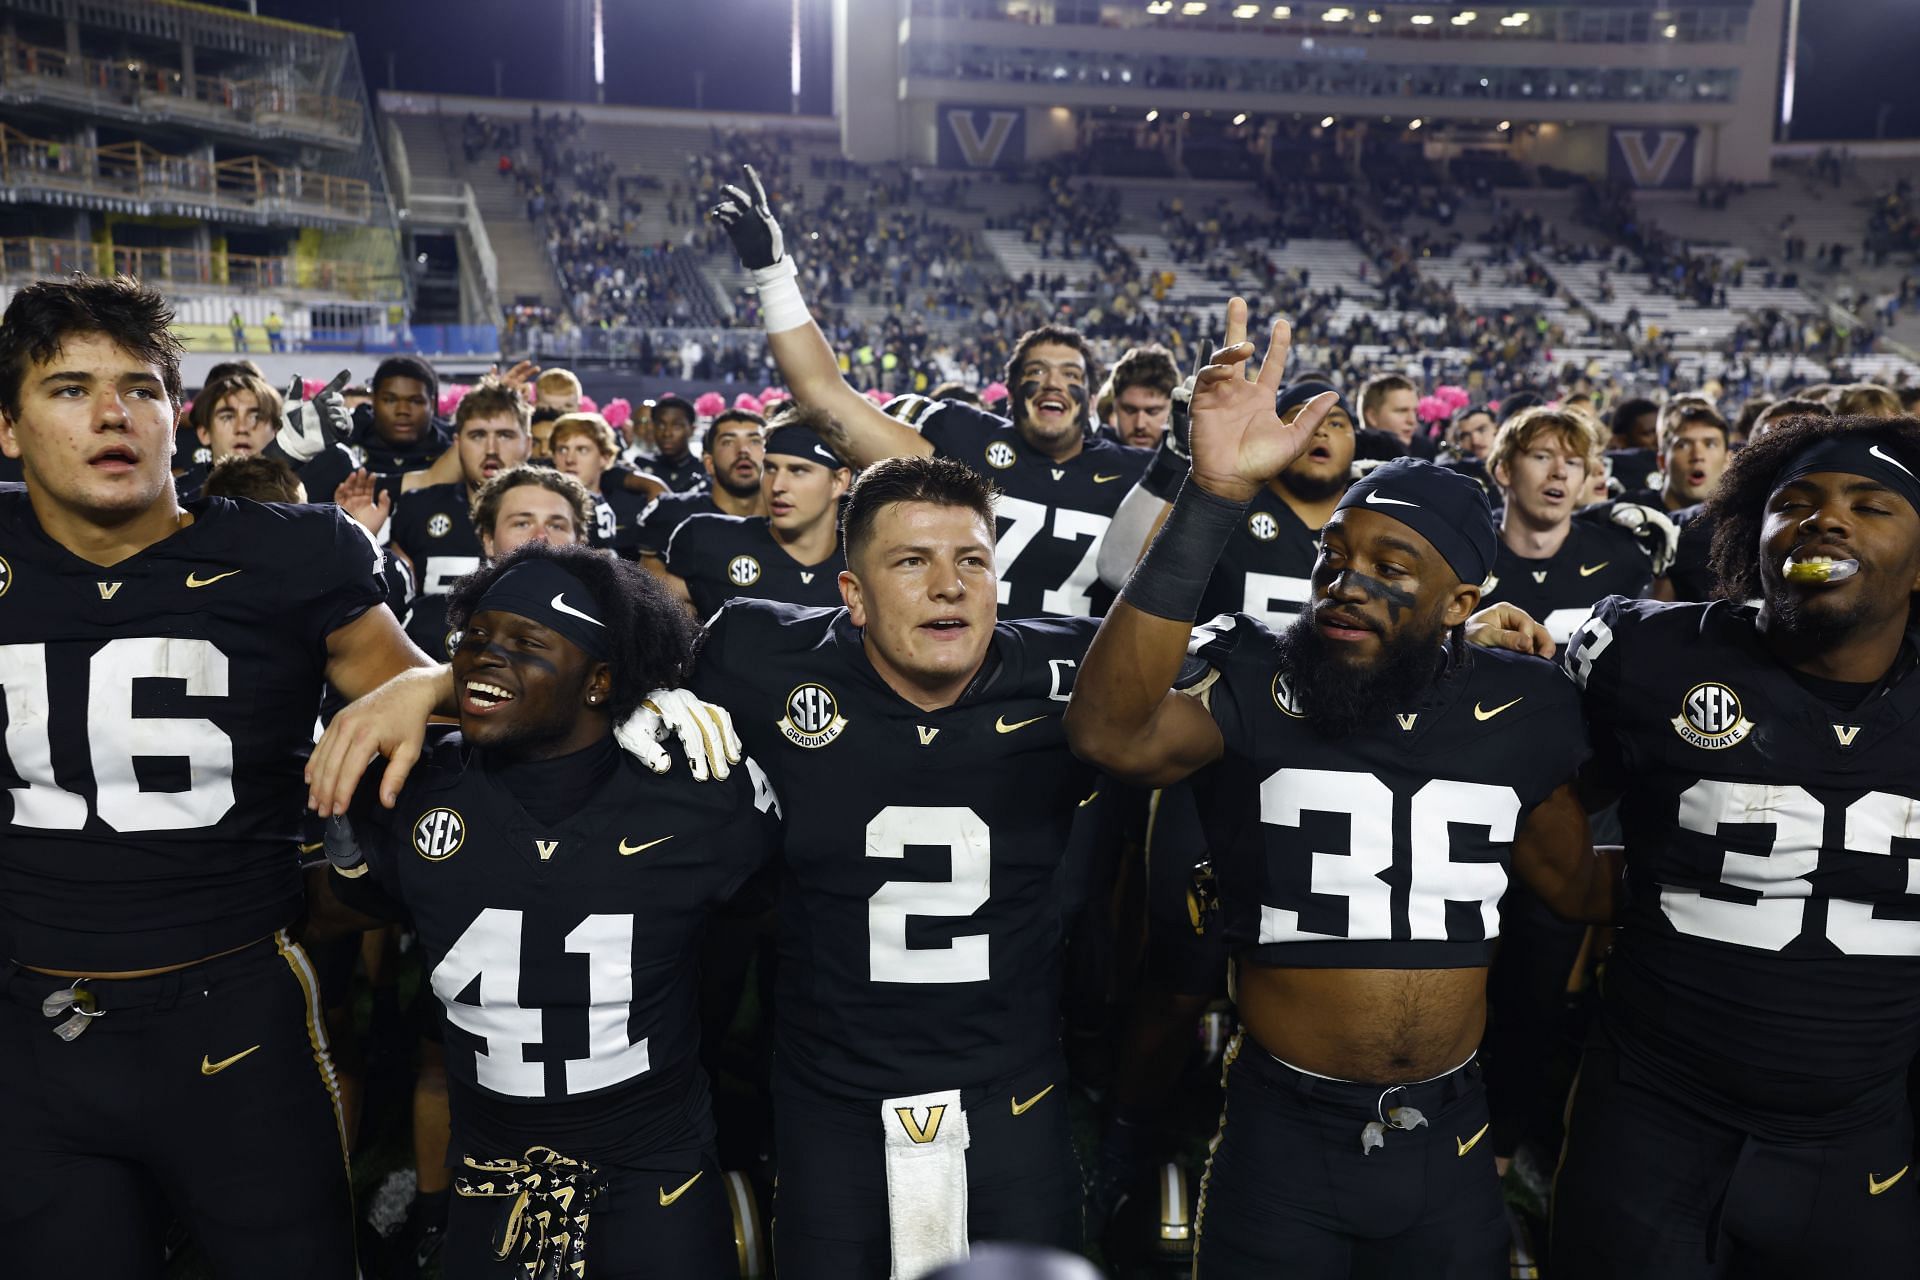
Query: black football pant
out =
(1531, 1046)
(206, 1092)
(1652, 1189)
(830, 1200)
(1291, 1192)
(671, 1224)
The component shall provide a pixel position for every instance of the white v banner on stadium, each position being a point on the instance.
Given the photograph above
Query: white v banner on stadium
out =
(981, 152)
(982, 137)
(1654, 157)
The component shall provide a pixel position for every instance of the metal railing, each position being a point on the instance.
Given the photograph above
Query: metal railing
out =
(135, 169)
(28, 68)
(39, 257)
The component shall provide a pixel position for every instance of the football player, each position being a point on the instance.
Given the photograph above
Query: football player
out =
(530, 504)
(1693, 453)
(919, 1089)
(237, 416)
(674, 460)
(1390, 405)
(399, 430)
(1554, 561)
(1374, 779)
(584, 447)
(1143, 383)
(1058, 484)
(793, 552)
(559, 891)
(1741, 1108)
(162, 1040)
(732, 459)
(432, 527)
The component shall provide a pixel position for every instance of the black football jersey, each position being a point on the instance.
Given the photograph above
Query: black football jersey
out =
(1770, 954)
(158, 715)
(1387, 849)
(925, 875)
(434, 527)
(655, 525)
(683, 476)
(1052, 515)
(1637, 471)
(1691, 572)
(721, 557)
(1598, 559)
(565, 954)
(1266, 568)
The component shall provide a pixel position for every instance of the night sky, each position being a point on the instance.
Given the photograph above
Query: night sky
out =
(1855, 55)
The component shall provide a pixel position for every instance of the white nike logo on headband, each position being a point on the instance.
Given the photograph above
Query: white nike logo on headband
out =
(829, 457)
(1875, 451)
(560, 603)
(1374, 499)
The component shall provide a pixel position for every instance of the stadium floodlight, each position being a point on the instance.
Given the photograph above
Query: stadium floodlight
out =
(1327, 123)
(1505, 125)
(1421, 19)
(1672, 32)
(1247, 11)
(1336, 15)
(1415, 123)
(1516, 20)
(1241, 118)
(1194, 8)
(1152, 116)
(1373, 15)
(1283, 11)
(1160, 6)
(1463, 19)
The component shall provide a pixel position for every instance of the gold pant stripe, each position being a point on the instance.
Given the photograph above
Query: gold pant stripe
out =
(296, 958)
(1206, 1173)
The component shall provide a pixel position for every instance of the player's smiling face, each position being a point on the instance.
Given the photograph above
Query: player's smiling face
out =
(800, 494)
(1546, 482)
(1376, 582)
(924, 590)
(1052, 395)
(1836, 516)
(523, 688)
(489, 446)
(94, 429)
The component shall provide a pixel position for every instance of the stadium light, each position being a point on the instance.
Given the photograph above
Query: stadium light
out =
(1247, 11)
(1505, 125)
(1152, 116)
(1336, 15)
(1160, 6)
(1241, 118)
(1463, 19)
(1516, 20)
(1327, 123)
(1194, 8)
(1373, 15)
(1672, 32)
(1415, 123)
(1421, 19)
(1283, 11)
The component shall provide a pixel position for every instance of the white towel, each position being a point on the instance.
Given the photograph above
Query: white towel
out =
(926, 1181)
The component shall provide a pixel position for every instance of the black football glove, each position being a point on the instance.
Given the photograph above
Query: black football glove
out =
(750, 224)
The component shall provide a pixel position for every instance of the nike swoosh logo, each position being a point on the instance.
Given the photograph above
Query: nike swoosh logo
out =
(195, 580)
(1001, 725)
(215, 1068)
(1876, 452)
(627, 851)
(1482, 713)
(1874, 1186)
(1472, 1142)
(668, 1197)
(559, 602)
(1586, 572)
(1105, 479)
(1021, 1108)
(1376, 500)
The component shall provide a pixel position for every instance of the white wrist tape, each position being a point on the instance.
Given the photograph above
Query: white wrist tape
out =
(781, 306)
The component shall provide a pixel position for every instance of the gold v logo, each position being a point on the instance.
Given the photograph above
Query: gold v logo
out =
(1406, 721)
(915, 1130)
(1541, 576)
(1058, 472)
(982, 150)
(1650, 168)
(1846, 733)
(806, 578)
(546, 848)
(107, 589)
(926, 735)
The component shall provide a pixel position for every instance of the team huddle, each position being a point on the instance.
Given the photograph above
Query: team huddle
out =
(1411, 744)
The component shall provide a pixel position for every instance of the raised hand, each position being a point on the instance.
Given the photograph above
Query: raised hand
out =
(360, 498)
(517, 377)
(1238, 441)
(309, 426)
(750, 224)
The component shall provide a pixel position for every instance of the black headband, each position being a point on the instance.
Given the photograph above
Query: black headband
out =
(802, 442)
(1446, 508)
(1855, 454)
(541, 591)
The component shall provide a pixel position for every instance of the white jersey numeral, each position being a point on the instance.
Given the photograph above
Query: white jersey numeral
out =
(1274, 599)
(965, 890)
(117, 737)
(1027, 520)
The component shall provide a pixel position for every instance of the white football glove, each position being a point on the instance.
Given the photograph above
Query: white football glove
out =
(705, 731)
(308, 427)
(1659, 535)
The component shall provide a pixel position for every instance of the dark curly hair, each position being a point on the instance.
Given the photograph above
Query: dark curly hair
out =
(651, 640)
(43, 316)
(1058, 335)
(1738, 507)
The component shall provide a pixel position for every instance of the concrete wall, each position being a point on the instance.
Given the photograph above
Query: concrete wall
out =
(866, 80)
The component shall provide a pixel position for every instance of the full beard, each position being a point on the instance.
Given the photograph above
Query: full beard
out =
(1313, 488)
(1339, 698)
(739, 488)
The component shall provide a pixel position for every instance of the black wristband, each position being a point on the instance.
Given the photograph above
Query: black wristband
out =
(1165, 471)
(1172, 577)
